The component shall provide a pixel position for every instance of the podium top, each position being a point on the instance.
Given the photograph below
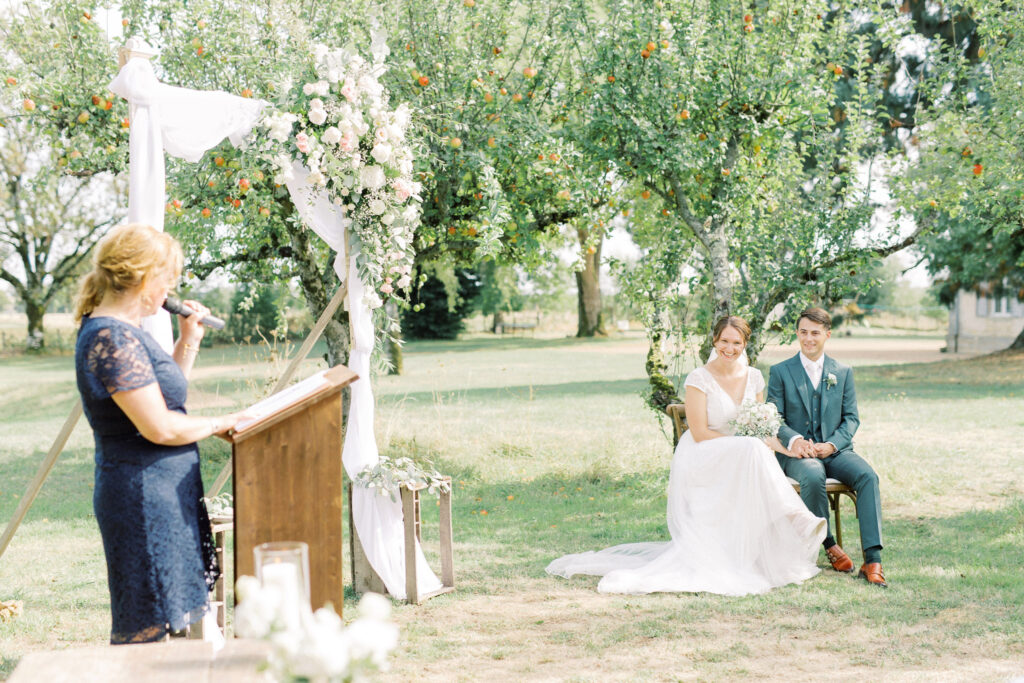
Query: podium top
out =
(291, 400)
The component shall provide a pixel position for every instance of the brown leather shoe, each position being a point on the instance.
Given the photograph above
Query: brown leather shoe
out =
(841, 562)
(873, 573)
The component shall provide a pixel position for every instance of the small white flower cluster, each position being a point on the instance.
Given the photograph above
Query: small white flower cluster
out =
(323, 649)
(340, 126)
(760, 420)
(388, 475)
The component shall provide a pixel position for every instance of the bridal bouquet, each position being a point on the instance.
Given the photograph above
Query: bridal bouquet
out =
(760, 420)
(338, 124)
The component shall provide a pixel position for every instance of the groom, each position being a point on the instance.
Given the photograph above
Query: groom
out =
(818, 404)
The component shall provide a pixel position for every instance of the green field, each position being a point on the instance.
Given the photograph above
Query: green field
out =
(552, 451)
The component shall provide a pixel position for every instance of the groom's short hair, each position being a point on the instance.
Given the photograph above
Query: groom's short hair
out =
(816, 315)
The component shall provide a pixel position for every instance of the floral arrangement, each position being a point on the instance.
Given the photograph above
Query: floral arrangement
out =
(830, 381)
(388, 475)
(221, 505)
(340, 126)
(323, 649)
(760, 420)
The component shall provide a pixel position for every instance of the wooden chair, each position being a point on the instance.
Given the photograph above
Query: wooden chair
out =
(833, 487)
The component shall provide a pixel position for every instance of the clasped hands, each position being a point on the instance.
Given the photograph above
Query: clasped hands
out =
(804, 448)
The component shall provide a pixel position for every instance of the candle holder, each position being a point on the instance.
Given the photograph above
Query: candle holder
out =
(284, 566)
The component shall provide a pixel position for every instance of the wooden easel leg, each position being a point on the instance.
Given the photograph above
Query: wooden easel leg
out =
(44, 471)
(445, 521)
(409, 523)
(307, 346)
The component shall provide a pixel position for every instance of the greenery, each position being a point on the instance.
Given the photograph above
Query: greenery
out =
(546, 459)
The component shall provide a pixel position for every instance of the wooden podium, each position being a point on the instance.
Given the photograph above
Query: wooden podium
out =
(287, 476)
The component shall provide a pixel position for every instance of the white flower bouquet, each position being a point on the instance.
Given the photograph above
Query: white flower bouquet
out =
(340, 126)
(323, 648)
(760, 420)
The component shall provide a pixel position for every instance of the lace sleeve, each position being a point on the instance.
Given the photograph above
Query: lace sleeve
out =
(119, 361)
(756, 381)
(698, 379)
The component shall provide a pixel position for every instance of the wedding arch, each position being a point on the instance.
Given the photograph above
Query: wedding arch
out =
(367, 217)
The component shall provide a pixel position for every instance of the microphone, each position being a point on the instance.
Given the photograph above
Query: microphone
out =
(173, 305)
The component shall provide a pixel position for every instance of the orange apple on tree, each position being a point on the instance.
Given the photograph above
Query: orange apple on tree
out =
(423, 81)
(28, 105)
(206, 212)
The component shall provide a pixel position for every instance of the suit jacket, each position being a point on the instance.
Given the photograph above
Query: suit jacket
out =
(791, 392)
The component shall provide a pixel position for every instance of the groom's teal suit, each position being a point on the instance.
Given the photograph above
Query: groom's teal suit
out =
(826, 414)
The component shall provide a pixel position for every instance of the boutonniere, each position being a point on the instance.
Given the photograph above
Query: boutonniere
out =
(830, 381)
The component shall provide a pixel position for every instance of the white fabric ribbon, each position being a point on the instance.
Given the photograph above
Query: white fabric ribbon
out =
(185, 123)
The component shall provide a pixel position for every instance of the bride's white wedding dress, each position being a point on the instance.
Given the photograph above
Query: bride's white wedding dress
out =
(737, 525)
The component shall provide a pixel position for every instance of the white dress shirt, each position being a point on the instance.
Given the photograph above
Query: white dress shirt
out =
(813, 368)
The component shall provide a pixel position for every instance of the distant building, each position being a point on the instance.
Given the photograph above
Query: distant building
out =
(981, 323)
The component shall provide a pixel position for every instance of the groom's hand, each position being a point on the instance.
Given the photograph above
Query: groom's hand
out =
(823, 450)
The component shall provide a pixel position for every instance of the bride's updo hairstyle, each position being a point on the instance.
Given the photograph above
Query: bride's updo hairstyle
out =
(124, 259)
(735, 322)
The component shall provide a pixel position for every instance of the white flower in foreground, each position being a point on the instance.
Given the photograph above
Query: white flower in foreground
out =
(381, 153)
(317, 116)
(331, 136)
(280, 125)
(377, 206)
(374, 606)
(372, 178)
(370, 86)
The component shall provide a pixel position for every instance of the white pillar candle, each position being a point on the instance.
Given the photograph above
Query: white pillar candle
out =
(285, 577)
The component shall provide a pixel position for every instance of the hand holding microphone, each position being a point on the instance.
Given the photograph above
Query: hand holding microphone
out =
(175, 306)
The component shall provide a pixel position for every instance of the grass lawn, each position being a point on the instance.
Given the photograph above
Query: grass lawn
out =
(552, 451)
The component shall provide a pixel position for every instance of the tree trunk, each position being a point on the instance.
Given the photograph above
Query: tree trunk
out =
(663, 392)
(499, 319)
(1018, 343)
(318, 295)
(34, 310)
(588, 290)
(721, 281)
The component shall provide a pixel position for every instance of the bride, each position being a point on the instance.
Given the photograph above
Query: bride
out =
(737, 525)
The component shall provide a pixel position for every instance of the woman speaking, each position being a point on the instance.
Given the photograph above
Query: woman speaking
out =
(148, 492)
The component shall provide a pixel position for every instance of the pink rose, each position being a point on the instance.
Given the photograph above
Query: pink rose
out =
(402, 190)
(302, 142)
(349, 90)
(387, 288)
(347, 142)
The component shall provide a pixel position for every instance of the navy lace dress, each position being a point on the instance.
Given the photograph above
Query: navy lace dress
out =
(148, 498)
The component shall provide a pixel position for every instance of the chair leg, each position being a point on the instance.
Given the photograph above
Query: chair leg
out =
(838, 515)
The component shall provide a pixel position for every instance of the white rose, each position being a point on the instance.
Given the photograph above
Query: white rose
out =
(316, 178)
(404, 282)
(372, 177)
(307, 89)
(370, 85)
(377, 206)
(387, 219)
(317, 116)
(373, 301)
(316, 103)
(321, 88)
(331, 136)
(381, 152)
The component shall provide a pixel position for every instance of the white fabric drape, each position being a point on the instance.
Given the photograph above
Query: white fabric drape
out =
(186, 123)
(378, 519)
(183, 122)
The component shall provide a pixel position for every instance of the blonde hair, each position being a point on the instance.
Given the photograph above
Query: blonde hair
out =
(124, 259)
